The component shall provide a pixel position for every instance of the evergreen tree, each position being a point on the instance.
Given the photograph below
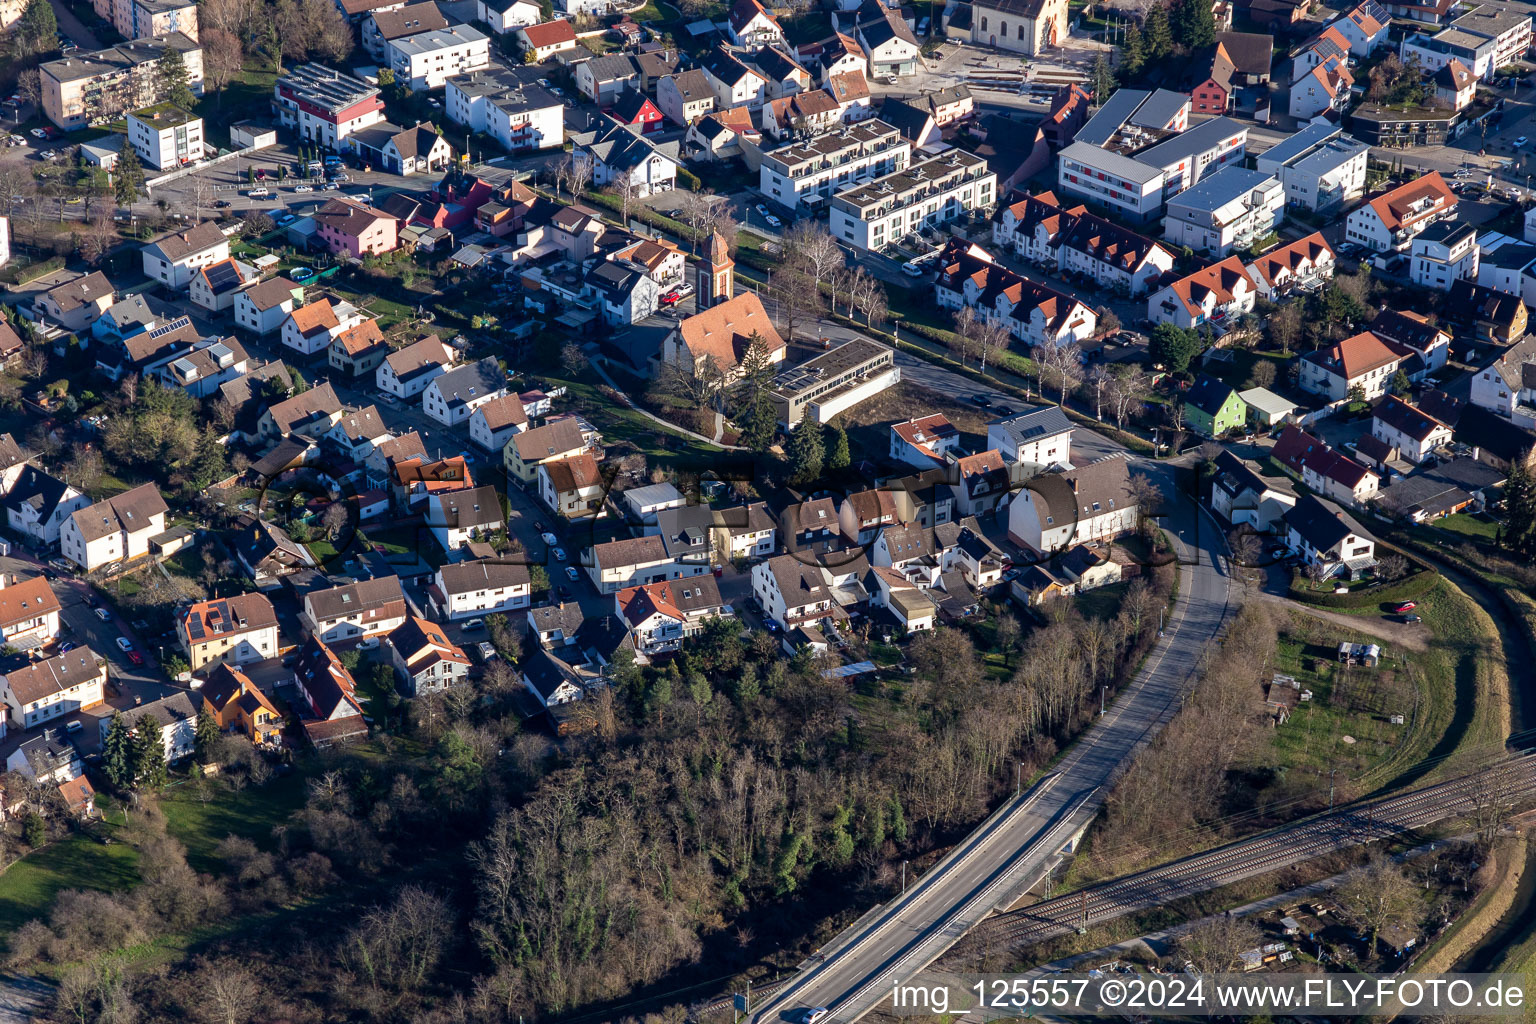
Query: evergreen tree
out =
(149, 767)
(171, 77)
(1103, 79)
(206, 736)
(1519, 534)
(807, 451)
(759, 423)
(211, 462)
(838, 457)
(1192, 24)
(37, 30)
(1133, 51)
(128, 177)
(1158, 36)
(117, 753)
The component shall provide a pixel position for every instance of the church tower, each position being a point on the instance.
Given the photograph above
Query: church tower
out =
(717, 277)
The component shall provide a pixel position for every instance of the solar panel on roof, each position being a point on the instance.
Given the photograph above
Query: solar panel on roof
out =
(174, 325)
(195, 627)
(222, 276)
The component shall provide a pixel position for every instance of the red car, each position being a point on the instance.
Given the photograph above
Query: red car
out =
(136, 657)
(1406, 606)
(671, 298)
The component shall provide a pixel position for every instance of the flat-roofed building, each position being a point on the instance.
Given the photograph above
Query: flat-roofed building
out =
(927, 194)
(808, 173)
(824, 386)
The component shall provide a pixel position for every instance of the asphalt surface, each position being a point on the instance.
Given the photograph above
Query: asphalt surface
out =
(992, 867)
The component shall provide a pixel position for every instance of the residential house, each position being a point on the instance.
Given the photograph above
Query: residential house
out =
(358, 350)
(660, 616)
(886, 39)
(1230, 209)
(39, 691)
(424, 658)
(625, 291)
(735, 83)
(636, 561)
(792, 591)
(173, 258)
(1391, 220)
(458, 517)
(541, 42)
(851, 91)
(1366, 362)
(784, 75)
(1055, 511)
(176, 718)
(13, 460)
(77, 303)
(528, 449)
(1408, 428)
(328, 694)
(749, 25)
(1425, 346)
(1037, 436)
(1505, 387)
(351, 228)
(572, 487)
(602, 79)
(364, 608)
(309, 414)
(1336, 475)
(801, 114)
(863, 514)
(452, 397)
(216, 286)
(1244, 498)
(492, 424)
(265, 306)
(1217, 295)
(483, 586)
(744, 532)
(555, 625)
(380, 26)
(404, 151)
(1211, 408)
(1494, 316)
(124, 76)
(265, 550)
(1455, 86)
(1114, 257)
(1322, 90)
(310, 328)
(1365, 26)
(1033, 313)
(239, 706)
(520, 115)
(508, 15)
(1325, 535)
(1303, 265)
(620, 155)
(924, 441)
(982, 482)
(37, 505)
(212, 363)
(1442, 254)
(635, 108)
(115, 529)
(407, 372)
(49, 757)
(235, 630)
(686, 96)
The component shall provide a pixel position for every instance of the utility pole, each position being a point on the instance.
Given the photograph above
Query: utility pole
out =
(903, 878)
(1082, 922)
(1103, 696)
(1330, 788)
(1018, 777)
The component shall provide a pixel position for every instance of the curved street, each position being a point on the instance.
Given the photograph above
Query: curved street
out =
(997, 862)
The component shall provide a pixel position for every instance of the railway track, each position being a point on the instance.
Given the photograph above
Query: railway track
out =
(1513, 782)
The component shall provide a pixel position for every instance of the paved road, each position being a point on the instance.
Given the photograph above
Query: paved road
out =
(1007, 852)
(72, 27)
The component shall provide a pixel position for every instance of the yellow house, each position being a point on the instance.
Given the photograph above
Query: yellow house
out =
(528, 450)
(239, 706)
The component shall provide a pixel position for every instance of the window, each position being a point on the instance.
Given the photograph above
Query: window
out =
(983, 24)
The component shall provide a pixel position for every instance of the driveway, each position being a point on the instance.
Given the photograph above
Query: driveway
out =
(72, 27)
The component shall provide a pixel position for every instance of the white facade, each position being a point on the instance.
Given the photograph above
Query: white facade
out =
(1133, 190)
(810, 172)
(1229, 210)
(934, 192)
(173, 263)
(1441, 258)
(427, 60)
(505, 16)
(166, 138)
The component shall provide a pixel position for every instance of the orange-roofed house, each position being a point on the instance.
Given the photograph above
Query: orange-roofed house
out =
(660, 616)
(749, 24)
(721, 335)
(424, 657)
(310, 328)
(544, 41)
(416, 479)
(1033, 313)
(851, 91)
(358, 349)
(1325, 87)
(1217, 295)
(239, 706)
(1304, 264)
(1366, 361)
(1455, 86)
(1390, 221)
(571, 487)
(1365, 27)
(924, 441)
(982, 482)
(1031, 227)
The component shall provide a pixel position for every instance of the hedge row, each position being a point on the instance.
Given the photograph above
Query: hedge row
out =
(1403, 590)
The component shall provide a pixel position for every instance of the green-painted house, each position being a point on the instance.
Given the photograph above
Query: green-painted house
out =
(1211, 408)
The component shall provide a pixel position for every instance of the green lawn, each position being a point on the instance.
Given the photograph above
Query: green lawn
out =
(1102, 603)
(1475, 526)
(249, 90)
(252, 812)
(28, 887)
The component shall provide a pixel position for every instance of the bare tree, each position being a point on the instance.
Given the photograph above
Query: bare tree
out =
(1379, 896)
(1060, 363)
(223, 56)
(1213, 944)
(814, 249)
(1392, 567)
(799, 300)
(1285, 326)
(1100, 380)
(1148, 499)
(628, 192)
(1491, 797)
(962, 342)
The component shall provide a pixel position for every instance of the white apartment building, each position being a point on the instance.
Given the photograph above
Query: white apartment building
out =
(451, 398)
(807, 174)
(1138, 169)
(116, 529)
(1446, 252)
(165, 136)
(521, 116)
(1130, 188)
(1319, 167)
(174, 258)
(935, 191)
(1485, 39)
(427, 60)
(1506, 387)
(63, 684)
(483, 587)
(1391, 220)
(1228, 210)
(1040, 436)
(325, 106)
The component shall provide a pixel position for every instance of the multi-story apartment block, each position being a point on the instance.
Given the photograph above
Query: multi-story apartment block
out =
(1228, 210)
(807, 174)
(1486, 38)
(1138, 168)
(426, 60)
(140, 19)
(166, 136)
(325, 106)
(1446, 252)
(519, 115)
(936, 191)
(1392, 220)
(1319, 167)
(91, 88)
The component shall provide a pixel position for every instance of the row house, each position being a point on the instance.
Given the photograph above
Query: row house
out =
(1305, 265)
(1217, 295)
(115, 529)
(365, 608)
(1033, 313)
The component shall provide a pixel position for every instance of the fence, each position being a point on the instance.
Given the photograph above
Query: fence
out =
(182, 172)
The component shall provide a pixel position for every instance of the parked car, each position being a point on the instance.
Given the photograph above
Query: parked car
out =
(1406, 607)
(1411, 620)
(222, 204)
(135, 658)
(559, 554)
(1520, 142)
(38, 133)
(981, 400)
(472, 624)
(368, 643)
(103, 614)
(124, 644)
(671, 298)
(546, 536)
(913, 268)
(259, 193)
(571, 573)
(303, 188)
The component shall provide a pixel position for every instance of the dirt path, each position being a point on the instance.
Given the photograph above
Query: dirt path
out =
(1414, 638)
